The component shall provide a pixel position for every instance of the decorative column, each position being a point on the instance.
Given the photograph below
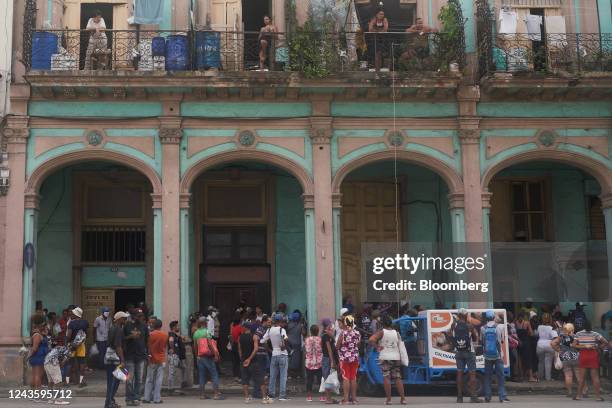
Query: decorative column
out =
(170, 135)
(469, 137)
(13, 283)
(311, 267)
(32, 202)
(337, 215)
(185, 220)
(456, 205)
(157, 253)
(320, 134)
(606, 205)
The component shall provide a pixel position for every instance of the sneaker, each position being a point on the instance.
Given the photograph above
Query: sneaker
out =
(82, 384)
(266, 400)
(284, 399)
(322, 399)
(459, 400)
(61, 402)
(487, 400)
(475, 400)
(132, 403)
(247, 400)
(309, 398)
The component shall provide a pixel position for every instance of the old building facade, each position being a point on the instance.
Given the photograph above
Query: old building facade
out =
(189, 187)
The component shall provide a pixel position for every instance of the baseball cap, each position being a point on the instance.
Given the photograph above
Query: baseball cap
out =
(120, 315)
(78, 312)
(343, 311)
(463, 311)
(105, 309)
(532, 314)
(277, 317)
(490, 314)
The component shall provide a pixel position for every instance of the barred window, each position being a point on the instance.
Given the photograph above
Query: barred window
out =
(113, 244)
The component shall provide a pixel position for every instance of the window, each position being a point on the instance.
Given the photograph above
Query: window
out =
(528, 211)
(597, 221)
(113, 204)
(236, 202)
(113, 244)
(234, 245)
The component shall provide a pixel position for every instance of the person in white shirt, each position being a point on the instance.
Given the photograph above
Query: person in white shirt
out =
(280, 357)
(97, 37)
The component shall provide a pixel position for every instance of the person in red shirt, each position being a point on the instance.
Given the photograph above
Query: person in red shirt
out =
(235, 332)
(158, 340)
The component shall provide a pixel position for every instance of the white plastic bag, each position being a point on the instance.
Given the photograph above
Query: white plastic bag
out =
(322, 387)
(558, 362)
(93, 350)
(332, 383)
(121, 374)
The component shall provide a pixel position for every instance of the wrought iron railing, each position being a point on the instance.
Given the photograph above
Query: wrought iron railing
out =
(551, 53)
(315, 54)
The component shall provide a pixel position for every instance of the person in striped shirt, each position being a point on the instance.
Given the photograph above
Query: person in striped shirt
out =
(588, 343)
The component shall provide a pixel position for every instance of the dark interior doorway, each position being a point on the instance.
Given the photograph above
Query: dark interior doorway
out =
(125, 297)
(87, 11)
(253, 12)
(539, 47)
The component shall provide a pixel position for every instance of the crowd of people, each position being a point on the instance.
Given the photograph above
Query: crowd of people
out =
(267, 349)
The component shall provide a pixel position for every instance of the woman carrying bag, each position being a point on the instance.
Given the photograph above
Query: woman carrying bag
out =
(392, 355)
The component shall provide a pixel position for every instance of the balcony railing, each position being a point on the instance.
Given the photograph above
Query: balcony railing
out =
(315, 54)
(558, 54)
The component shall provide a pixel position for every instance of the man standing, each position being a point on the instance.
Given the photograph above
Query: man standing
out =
(101, 326)
(136, 337)
(157, 360)
(75, 335)
(176, 357)
(115, 343)
(463, 335)
(207, 356)
(492, 336)
(280, 358)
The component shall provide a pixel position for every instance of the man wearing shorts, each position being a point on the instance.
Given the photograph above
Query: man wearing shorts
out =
(54, 361)
(462, 334)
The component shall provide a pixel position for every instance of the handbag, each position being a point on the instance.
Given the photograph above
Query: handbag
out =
(405, 360)
(332, 383)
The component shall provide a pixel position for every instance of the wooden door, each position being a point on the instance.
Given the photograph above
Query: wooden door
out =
(226, 17)
(93, 300)
(368, 215)
(226, 298)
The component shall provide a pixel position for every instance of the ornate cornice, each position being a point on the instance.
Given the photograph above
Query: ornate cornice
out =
(31, 201)
(486, 199)
(308, 200)
(185, 200)
(16, 130)
(469, 136)
(456, 200)
(337, 200)
(156, 199)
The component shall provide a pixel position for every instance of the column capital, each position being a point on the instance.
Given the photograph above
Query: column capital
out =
(606, 201)
(16, 130)
(321, 130)
(337, 200)
(469, 136)
(31, 200)
(185, 200)
(468, 93)
(456, 200)
(156, 198)
(169, 135)
(308, 201)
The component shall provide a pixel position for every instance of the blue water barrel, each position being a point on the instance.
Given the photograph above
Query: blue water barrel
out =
(43, 46)
(177, 53)
(158, 47)
(208, 49)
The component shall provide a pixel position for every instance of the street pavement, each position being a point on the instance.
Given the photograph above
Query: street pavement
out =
(534, 401)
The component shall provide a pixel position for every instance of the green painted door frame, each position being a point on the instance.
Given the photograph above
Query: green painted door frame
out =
(157, 261)
(311, 269)
(29, 274)
(184, 280)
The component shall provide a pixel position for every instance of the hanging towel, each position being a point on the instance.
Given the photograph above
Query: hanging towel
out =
(555, 29)
(507, 22)
(534, 30)
(148, 11)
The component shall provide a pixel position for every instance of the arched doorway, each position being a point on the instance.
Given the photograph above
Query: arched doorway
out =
(246, 228)
(384, 200)
(89, 216)
(548, 234)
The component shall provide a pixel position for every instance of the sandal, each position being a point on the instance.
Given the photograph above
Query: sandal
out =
(388, 403)
(403, 402)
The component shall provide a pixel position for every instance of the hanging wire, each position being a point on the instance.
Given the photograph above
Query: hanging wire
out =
(395, 178)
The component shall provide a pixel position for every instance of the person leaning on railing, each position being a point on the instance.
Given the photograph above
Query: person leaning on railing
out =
(378, 24)
(97, 38)
(266, 43)
(418, 41)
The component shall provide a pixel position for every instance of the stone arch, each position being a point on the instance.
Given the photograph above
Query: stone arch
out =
(247, 155)
(448, 174)
(602, 174)
(39, 175)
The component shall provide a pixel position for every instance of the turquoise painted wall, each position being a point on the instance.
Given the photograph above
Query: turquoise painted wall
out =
(290, 245)
(54, 268)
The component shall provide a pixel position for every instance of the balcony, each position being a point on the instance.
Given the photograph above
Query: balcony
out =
(73, 58)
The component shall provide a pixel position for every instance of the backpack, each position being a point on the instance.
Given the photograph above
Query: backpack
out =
(461, 337)
(490, 350)
(207, 347)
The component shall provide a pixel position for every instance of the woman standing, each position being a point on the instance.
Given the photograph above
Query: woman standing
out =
(295, 333)
(348, 352)
(234, 338)
(545, 352)
(313, 356)
(524, 333)
(587, 342)
(39, 350)
(568, 355)
(378, 24)
(266, 38)
(329, 360)
(97, 36)
(387, 343)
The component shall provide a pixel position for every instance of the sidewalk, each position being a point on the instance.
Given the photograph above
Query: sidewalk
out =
(96, 387)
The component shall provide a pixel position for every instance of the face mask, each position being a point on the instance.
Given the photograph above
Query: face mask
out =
(105, 314)
(213, 314)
